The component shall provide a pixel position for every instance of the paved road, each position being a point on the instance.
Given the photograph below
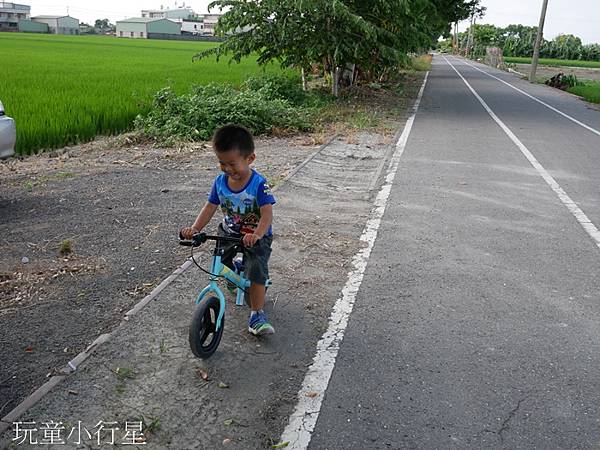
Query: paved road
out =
(477, 324)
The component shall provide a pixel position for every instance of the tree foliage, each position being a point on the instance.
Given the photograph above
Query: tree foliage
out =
(518, 40)
(373, 35)
(103, 25)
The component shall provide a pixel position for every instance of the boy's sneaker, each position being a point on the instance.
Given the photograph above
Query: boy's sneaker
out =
(258, 325)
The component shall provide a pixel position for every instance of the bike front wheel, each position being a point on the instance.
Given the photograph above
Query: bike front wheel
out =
(203, 334)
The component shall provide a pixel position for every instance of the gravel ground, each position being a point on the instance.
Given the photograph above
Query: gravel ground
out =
(242, 396)
(119, 206)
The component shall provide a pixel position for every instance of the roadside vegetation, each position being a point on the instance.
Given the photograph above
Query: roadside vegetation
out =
(63, 90)
(589, 90)
(262, 104)
(276, 104)
(517, 41)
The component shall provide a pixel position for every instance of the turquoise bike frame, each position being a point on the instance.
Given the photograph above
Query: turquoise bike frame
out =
(220, 269)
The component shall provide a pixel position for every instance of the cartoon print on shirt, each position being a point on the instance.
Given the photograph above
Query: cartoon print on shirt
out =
(241, 210)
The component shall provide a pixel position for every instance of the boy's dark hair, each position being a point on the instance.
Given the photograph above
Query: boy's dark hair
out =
(233, 137)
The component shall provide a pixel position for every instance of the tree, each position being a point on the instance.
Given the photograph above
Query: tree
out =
(368, 36)
(477, 12)
(103, 25)
(461, 11)
(518, 40)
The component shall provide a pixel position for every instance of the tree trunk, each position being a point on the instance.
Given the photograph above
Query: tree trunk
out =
(351, 68)
(335, 82)
(470, 37)
(455, 39)
(304, 84)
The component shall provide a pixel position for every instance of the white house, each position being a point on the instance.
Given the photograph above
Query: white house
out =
(210, 21)
(183, 12)
(59, 24)
(192, 27)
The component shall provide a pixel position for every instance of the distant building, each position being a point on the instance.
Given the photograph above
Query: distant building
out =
(29, 26)
(59, 24)
(11, 14)
(192, 27)
(84, 28)
(183, 12)
(140, 27)
(210, 21)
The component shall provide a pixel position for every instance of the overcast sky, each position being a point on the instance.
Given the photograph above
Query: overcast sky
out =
(579, 17)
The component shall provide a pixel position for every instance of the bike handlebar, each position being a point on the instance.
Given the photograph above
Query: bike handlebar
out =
(200, 238)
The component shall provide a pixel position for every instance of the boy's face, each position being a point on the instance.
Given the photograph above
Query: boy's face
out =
(234, 164)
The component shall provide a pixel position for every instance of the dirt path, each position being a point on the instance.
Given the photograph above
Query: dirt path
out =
(120, 210)
(320, 214)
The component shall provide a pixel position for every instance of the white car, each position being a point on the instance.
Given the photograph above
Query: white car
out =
(8, 134)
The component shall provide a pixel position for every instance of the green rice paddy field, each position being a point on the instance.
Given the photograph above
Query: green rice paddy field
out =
(67, 89)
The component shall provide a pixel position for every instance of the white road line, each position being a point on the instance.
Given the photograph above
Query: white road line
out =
(587, 127)
(304, 418)
(585, 222)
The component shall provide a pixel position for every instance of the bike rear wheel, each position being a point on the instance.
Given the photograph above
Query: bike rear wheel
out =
(203, 334)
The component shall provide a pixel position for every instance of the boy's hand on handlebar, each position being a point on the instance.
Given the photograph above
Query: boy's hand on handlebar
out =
(187, 232)
(250, 239)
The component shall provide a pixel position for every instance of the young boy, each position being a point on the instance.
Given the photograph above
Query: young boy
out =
(246, 201)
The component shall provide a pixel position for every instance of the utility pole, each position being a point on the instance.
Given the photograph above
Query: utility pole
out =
(538, 42)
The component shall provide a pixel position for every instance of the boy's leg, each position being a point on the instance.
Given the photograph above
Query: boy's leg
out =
(257, 271)
(257, 296)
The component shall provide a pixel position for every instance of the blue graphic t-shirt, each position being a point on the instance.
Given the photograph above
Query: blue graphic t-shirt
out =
(241, 209)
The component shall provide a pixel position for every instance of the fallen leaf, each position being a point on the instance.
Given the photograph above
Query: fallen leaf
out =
(312, 394)
(29, 349)
(203, 374)
(226, 441)
(281, 445)
(223, 385)
(228, 422)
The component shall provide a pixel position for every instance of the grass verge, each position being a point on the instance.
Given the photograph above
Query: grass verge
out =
(589, 90)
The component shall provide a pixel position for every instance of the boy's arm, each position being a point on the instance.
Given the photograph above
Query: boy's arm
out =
(266, 218)
(207, 212)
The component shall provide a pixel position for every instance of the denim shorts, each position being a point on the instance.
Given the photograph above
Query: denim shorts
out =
(256, 258)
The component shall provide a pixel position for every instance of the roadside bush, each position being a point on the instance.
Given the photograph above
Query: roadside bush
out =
(277, 86)
(259, 106)
(564, 82)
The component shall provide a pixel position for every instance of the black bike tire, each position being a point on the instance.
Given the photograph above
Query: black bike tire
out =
(196, 333)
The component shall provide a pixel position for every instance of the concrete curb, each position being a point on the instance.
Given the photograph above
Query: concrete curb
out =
(71, 367)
